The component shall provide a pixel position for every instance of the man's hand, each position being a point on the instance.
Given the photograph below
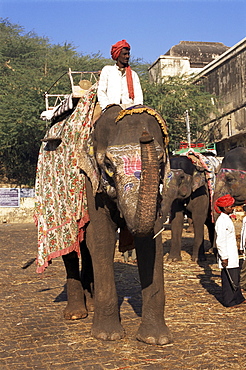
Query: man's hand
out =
(224, 263)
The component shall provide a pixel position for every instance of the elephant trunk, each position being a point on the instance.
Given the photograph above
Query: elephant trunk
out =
(167, 200)
(149, 186)
(220, 190)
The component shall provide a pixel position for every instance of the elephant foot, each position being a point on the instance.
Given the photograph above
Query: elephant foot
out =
(154, 335)
(108, 331)
(199, 259)
(174, 259)
(72, 312)
(89, 301)
(75, 308)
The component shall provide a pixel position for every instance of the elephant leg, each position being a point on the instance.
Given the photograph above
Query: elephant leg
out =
(75, 308)
(87, 279)
(152, 329)
(101, 236)
(211, 230)
(198, 248)
(177, 224)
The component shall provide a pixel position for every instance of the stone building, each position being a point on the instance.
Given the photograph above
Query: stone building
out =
(222, 71)
(187, 57)
(225, 78)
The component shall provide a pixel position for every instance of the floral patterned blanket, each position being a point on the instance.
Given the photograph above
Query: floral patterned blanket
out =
(61, 211)
(211, 165)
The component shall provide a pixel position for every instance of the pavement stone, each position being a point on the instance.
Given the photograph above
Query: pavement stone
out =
(34, 334)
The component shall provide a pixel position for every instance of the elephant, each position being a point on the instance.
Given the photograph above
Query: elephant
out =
(130, 156)
(231, 179)
(187, 193)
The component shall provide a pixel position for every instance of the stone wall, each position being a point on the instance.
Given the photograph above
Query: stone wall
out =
(166, 66)
(225, 78)
(185, 58)
(22, 214)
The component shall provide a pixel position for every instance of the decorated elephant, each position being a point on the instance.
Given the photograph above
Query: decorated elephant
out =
(130, 156)
(93, 180)
(231, 179)
(188, 193)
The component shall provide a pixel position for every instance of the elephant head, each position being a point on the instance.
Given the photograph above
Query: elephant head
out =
(131, 157)
(231, 178)
(182, 180)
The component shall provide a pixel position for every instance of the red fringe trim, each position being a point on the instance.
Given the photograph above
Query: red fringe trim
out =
(74, 247)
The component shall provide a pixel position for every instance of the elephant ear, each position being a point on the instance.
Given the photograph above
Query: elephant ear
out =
(198, 180)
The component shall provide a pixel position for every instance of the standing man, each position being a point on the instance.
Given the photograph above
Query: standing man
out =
(119, 84)
(228, 252)
(242, 252)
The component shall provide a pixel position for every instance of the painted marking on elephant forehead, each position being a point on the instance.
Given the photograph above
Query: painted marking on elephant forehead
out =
(132, 165)
(128, 186)
(119, 150)
(130, 155)
(169, 178)
(224, 171)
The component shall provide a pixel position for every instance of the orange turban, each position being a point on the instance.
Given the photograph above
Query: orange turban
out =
(225, 201)
(116, 48)
(115, 52)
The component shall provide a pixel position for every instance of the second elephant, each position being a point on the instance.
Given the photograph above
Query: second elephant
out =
(187, 193)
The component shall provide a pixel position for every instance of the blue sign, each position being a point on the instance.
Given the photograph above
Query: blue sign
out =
(9, 197)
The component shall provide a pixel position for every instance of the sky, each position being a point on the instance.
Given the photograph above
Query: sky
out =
(151, 27)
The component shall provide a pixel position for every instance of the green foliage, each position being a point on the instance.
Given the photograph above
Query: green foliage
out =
(30, 65)
(172, 98)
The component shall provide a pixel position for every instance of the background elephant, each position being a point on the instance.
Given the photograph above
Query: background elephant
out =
(187, 193)
(130, 154)
(231, 179)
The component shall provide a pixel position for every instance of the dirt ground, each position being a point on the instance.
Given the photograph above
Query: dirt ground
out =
(34, 334)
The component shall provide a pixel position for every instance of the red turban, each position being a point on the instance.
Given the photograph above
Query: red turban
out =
(225, 201)
(116, 48)
(115, 52)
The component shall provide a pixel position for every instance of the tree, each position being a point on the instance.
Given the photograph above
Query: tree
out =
(29, 66)
(172, 98)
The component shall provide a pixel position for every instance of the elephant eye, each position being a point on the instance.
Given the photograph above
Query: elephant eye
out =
(109, 168)
(180, 179)
(229, 178)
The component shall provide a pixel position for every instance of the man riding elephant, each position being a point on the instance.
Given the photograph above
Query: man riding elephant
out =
(119, 84)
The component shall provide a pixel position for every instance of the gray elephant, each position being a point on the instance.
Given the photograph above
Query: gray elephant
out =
(187, 193)
(231, 179)
(130, 153)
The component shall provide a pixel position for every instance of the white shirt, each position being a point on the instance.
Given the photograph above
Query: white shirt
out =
(112, 88)
(226, 240)
(243, 235)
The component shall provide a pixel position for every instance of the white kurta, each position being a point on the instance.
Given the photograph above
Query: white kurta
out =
(112, 88)
(226, 241)
(243, 235)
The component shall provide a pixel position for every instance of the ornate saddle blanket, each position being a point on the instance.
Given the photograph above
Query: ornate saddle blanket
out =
(61, 206)
(211, 166)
